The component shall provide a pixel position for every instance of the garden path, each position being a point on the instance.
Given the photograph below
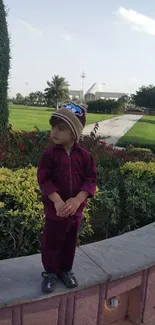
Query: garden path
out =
(114, 128)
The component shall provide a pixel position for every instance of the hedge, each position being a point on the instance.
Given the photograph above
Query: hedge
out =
(4, 68)
(125, 200)
(105, 106)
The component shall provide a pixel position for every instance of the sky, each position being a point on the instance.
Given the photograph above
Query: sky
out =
(113, 42)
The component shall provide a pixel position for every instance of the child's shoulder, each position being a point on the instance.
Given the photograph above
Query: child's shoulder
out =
(49, 151)
(84, 152)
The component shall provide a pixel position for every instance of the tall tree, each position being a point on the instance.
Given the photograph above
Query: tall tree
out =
(145, 97)
(4, 68)
(20, 99)
(40, 98)
(32, 99)
(57, 91)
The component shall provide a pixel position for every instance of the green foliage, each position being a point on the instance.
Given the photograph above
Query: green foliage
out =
(36, 99)
(105, 206)
(125, 199)
(21, 214)
(57, 91)
(139, 193)
(145, 97)
(4, 68)
(109, 106)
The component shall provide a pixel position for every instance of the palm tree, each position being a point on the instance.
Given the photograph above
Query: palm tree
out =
(57, 91)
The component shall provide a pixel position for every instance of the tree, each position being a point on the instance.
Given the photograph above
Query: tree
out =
(32, 99)
(57, 91)
(40, 98)
(20, 99)
(145, 97)
(4, 68)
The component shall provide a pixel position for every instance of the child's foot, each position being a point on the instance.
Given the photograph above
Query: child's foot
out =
(68, 279)
(49, 282)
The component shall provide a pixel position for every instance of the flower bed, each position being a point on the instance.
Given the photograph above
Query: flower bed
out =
(124, 201)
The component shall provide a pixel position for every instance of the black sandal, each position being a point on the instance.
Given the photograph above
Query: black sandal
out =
(49, 282)
(68, 279)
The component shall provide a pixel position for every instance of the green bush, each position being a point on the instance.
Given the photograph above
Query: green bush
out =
(21, 214)
(125, 199)
(105, 106)
(138, 194)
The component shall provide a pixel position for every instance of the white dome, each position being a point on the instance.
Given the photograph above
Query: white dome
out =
(95, 88)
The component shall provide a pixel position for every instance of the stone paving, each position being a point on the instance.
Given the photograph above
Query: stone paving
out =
(114, 128)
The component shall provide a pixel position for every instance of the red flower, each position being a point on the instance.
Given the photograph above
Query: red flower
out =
(103, 142)
(32, 132)
(25, 135)
(22, 148)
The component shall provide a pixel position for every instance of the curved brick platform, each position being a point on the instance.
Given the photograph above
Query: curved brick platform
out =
(123, 266)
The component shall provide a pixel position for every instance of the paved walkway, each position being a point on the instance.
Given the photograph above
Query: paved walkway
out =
(114, 128)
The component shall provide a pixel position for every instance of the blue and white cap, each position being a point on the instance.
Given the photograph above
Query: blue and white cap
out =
(74, 115)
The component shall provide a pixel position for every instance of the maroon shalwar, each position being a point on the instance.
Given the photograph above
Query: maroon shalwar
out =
(59, 243)
(67, 175)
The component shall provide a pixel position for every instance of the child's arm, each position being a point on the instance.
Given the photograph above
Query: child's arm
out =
(46, 185)
(88, 188)
(44, 173)
(89, 185)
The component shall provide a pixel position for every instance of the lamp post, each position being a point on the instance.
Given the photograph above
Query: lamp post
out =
(83, 76)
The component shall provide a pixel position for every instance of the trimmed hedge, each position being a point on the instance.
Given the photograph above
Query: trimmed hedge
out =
(125, 200)
(105, 106)
(139, 193)
(4, 68)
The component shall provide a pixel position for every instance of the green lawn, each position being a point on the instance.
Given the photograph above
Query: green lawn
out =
(27, 118)
(142, 133)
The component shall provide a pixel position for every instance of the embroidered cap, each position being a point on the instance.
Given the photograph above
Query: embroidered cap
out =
(74, 115)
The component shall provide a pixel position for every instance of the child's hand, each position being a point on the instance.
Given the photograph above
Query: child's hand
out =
(59, 207)
(71, 207)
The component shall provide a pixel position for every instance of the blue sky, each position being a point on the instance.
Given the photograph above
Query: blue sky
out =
(113, 42)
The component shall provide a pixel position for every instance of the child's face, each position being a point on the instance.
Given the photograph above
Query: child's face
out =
(61, 133)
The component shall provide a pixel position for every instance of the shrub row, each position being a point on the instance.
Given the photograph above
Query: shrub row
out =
(19, 149)
(125, 200)
(105, 106)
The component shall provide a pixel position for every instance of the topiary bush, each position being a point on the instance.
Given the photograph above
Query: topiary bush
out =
(21, 214)
(4, 68)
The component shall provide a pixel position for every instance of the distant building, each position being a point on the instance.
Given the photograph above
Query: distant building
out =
(76, 94)
(96, 91)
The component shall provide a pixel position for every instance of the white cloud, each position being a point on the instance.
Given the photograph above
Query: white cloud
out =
(139, 22)
(66, 36)
(33, 30)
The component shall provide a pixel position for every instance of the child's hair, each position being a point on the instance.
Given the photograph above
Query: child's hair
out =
(54, 121)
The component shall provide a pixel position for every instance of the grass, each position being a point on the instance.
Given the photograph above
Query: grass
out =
(142, 133)
(26, 119)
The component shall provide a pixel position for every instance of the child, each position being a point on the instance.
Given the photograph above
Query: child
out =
(67, 177)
